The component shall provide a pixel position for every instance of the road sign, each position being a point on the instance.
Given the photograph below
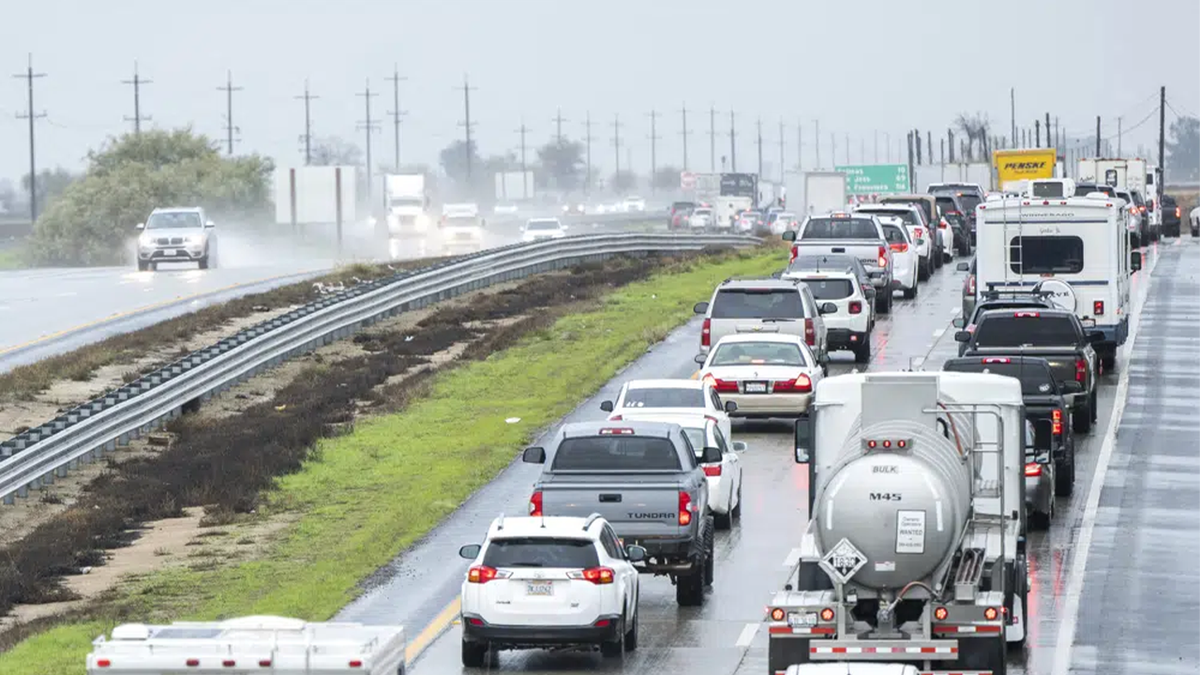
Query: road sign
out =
(843, 561)
(687, 180)
(882, 179)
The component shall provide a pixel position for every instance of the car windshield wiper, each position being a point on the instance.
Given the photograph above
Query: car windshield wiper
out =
(525, 564)
(773, 320)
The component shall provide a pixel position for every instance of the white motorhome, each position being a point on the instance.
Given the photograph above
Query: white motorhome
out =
(1075, 248)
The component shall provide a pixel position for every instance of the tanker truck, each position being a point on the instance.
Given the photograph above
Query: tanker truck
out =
(914, 552)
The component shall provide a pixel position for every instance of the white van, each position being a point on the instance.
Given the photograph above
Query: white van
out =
(1075, 248)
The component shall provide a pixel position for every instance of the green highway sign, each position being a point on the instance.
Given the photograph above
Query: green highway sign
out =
(876, 179)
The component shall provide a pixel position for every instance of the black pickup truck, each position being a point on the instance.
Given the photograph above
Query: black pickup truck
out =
(1055, 335)
(1045, 402)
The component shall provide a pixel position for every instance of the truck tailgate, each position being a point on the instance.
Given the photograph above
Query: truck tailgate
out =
(637, 505)
(866, 250)
(1061, 360)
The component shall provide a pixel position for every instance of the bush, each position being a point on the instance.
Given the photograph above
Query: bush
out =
(94, 218)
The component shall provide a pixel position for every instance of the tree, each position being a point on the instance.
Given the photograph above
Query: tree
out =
(976, 128)
(50, 184)
(1183, 149)
(94, 218)
(334, 151)
(622, 181)
(453, 159)
(667, 178)
(562, 163)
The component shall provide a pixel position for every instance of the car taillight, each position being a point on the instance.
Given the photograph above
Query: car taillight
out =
(596, 575)
(942, 224)
(685, 508)
(615, 418)
(855, 307)
(1142, 209)
(1026, 315)
(1098, 308)
(971, 284)
(1056, 424)
(792, 256)
(899, 248)
(810, 332)
(481, 574)
(1033, 470)
(882, 258)
(802, 384)
(918, 232)
(1178, 212)
(535, 503)
(724, 386)
(712, 470)
(706, 333)
(1080, 370)
(103, 663)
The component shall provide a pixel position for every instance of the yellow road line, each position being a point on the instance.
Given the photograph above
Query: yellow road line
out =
(431, 632)
(694, 375)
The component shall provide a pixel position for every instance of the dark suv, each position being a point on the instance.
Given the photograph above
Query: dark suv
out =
(1172, 216)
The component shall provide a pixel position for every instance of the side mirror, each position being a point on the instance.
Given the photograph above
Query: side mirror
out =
(959, 322)
(700, 308)
(607, 406)
(1135, 261)
(740, 446)
(789, 235)
(962, 336)
(140, 226)
(635, 553)
(534, 456)
(963, 267)
(804, 439)
(1072, 387)
(210, 224)
(730, 406)
(700, 358)
(470, 551)
(711, 456)
(828, 308)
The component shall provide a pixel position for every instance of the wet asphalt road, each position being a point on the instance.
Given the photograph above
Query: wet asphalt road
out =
(723, 637)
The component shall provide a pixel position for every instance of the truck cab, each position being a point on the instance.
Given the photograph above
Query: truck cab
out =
(461, 226)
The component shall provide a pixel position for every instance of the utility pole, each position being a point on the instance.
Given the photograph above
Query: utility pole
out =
(817, 141)
(1048, 130)
(558, 120)
(137, 83)
(1119, 138)
(1012, 111)
(758, 126)
(887, 145)
(1037, 131)
(1162, 135)
(782, 141)
(917, 146)
(307, 98)
(1098, 136)
(684, 133)
(467, 125)
(847, 149)
(369, 127)
(29, 76)
(929, 144)
(587, 126)
(653, 149)
(617, 143)
(712, 139)
(799, 146)
(229, 89)
(524, 176)
(1057, 138)
(732, 144)
(396, 112)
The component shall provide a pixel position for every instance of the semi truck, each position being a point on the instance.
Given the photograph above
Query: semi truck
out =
(407, 204)
(915, 546)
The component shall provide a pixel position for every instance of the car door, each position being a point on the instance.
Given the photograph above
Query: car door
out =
(811, 308)
(718, 411)
(731, 466)
(624, 569)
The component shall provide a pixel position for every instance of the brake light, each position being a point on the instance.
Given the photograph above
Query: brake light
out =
(855, 307)
(942, 224)
(616, 432)
(1142, 209)
(1080, 370)
(810, 332)
(535, 503)
(997, 360)
(229, 663)
(724, 386)
(918, 232)
(1033, 470)
(103, 663)
(801, 384)
(1098, 308)
(192, 663)
(882, 258)
(712, 470)
(1056, 424)
(355, 663)
(899, 248)
(596, 575)
(615, 418)
(971, 284)
(886, 444)
(481, 574)
(685, 508)
(706, 333)
(1026, 315)
(1178, 212)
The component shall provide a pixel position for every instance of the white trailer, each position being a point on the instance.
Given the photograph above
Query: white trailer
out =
(267, 644)
(309, 195)
(914, 551)
(824, 192)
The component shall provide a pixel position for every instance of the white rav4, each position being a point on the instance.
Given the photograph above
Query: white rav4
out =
(549, 582)
(850, 326)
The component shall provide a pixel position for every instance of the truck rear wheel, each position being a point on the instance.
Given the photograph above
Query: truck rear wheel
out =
(689, 590)
(1081, 418)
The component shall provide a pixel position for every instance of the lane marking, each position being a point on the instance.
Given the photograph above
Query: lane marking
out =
(747, 636)
(433, 631)
(937, 334)
(1066, 634)
(792, 558)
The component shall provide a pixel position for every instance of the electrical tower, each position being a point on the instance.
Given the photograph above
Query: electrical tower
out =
(467, 124)
(396, 112)
(558, 122)
(307, 136)
(229, 128)
(29, 76)
(653, 149)
(369, 126)
(137, 83)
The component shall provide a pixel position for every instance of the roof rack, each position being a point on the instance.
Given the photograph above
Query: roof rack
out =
(995, 294)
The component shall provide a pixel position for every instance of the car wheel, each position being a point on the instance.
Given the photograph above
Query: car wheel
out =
(204, 262)
(1081, 419)
(1064, 476)
(474, 654)
(1038, 521)
(910, 293)
(689, 590)
(616, 647)
(862, 351)
(923, 270)
(143, 265)
(883, 303)
(1108, 363)
(709, 567)
(722, 521)
(631, 636)
(737, 508)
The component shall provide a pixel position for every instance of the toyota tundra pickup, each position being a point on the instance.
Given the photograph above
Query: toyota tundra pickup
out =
(857, 234)
(645, 480)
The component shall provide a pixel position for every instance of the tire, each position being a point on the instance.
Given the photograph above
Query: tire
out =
(862, 353)
(1064, 476)
(631, 635)
(709, 567)
(1081, 419)
(474, 654)
(910, 293)
(737, 508)
(689, 590)
(204, 262)
(615, 648)
(989, 654)
(938, 258)
(1108, 363)
(883, 303)
(1040, 522)
(923, 270)
(143, 265)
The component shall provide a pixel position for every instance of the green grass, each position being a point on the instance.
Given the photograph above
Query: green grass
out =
(13, 259)
(365, 496)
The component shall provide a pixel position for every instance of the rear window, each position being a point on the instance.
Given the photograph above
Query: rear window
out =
(746, 303)
(1013, 331)
(696, 436)
(830, 289)
(1137, 198)
(969, 202)
(946, 204)
(664, 397)
(840, 228)
(1045, 255)
(812, 262)
(1084, 190)
(1035, 380)
(541, 552)
(893, 234)
(920, 203)
(616, 453)
(758, 353)
(906, 215)
(1016, 304)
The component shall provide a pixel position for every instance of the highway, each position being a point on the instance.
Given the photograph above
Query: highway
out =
(1111, 576)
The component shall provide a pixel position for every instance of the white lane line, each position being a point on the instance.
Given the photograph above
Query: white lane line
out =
(747, 636)
(1070, 621)
(937, 334)
(954, 311)
(792, 558)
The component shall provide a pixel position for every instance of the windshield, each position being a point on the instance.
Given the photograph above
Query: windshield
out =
(840, 228)
(174, 221)
(679, 206)
(663, 397)
(1032, 331)
(616, 453)
(758, 354)
(830, 289)
(894, 234)
(1045, 255)
(542, 225)
(1036, 379)
(541, 552)
(753, 303)
(702, 212)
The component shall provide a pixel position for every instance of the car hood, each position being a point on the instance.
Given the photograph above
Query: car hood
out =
(755, 372)
(159, 232)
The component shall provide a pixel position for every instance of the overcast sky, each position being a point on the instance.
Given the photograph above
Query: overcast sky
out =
(856, 67)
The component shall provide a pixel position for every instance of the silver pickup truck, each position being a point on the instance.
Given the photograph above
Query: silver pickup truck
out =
(856, 234)
(644, 479)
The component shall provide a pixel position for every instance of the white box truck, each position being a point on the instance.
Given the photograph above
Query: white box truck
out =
(824, 191)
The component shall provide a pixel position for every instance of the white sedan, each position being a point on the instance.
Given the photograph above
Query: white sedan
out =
(766, 374)
(540, 229)
(659, 400)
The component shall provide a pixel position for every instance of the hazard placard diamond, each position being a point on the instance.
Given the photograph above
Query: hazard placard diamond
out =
(843, 561)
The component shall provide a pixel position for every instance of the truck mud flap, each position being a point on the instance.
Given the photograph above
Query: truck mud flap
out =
(783, 652)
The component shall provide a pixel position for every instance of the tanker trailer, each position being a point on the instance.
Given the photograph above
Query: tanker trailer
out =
(914, 551)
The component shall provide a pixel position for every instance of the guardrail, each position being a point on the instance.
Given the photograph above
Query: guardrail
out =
(83, 434)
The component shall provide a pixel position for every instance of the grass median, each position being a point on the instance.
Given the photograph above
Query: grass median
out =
(364, 497)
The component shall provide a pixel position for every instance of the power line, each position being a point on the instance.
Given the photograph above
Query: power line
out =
(396, 112)
(466, 123)
(137, 83)
(229, 89)
(369, 126)
(653, 148)
(307, 136)
(29, 76)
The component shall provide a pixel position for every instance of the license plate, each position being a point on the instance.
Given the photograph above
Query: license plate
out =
(756, 387)
(802, 619)
(178, 252)
(1089, 323)
(542, 588)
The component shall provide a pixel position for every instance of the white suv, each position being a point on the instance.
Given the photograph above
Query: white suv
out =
(549, 582)
(849, 327)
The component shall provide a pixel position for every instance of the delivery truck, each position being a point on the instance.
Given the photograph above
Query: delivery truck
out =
(1014, 168)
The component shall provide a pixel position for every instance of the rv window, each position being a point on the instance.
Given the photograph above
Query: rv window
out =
(1045, 255)
(1047, 189)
